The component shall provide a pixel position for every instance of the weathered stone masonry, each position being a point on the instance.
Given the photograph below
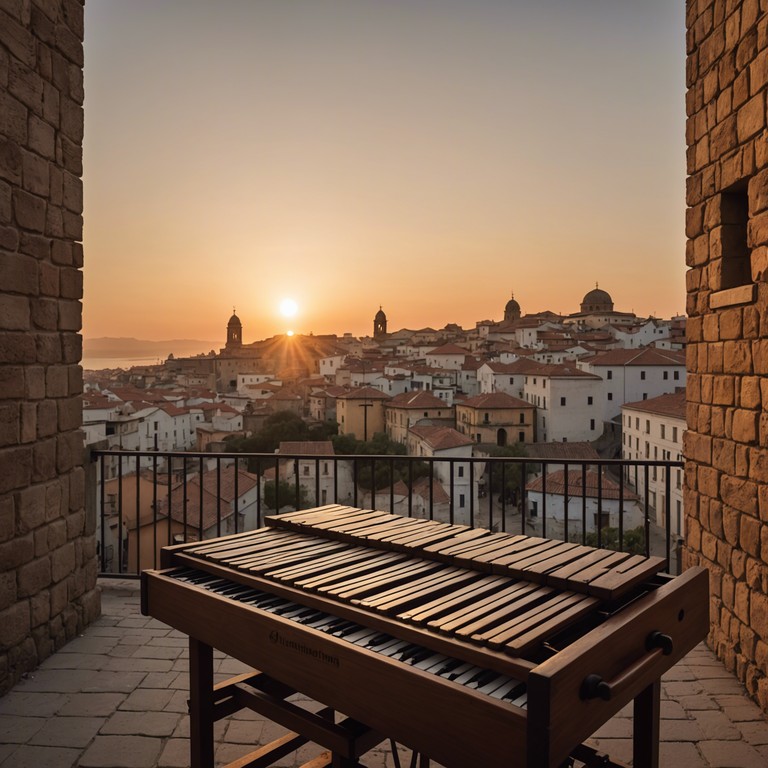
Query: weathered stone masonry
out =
(47, 545)
(726, 496)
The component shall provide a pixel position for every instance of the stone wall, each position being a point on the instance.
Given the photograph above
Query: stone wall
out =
(47, 546)
(726, 496)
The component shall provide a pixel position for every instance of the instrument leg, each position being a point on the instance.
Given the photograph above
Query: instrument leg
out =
(200, 704)
(645, 738)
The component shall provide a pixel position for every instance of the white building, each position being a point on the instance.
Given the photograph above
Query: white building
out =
(630, 375)
(653, 430)
(567, 403)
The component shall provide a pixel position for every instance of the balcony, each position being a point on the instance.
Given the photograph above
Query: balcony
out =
(147, 500)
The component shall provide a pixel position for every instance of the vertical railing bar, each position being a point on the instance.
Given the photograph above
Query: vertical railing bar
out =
(668, 517)
(185, 498)
(154, 504)
(317, 482)
(621, 510)
(431, 488)
(410, 486)
(335, 481)
(544, 468)
(200, 510)
(259, 477)
(584, 503)
(599, 505)
(297, 487)
(503, 491)
(647, 521)
(523, 495)
(354, 481)
(566, 500)
(277, 485)
(451, 513)
(102, 515)
(472, 496)
(373, 483)
(236, 470)
(218, 496)
(120, 514)
(392, 486)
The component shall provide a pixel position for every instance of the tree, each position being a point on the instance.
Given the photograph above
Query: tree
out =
(507, 479)
(634, 540)
(286, 492)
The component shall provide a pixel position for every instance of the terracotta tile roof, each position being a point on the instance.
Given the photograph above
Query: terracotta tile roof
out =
(421, 488)
(314, 447)
(556, 485)
(575, 450)
(283, 395)
(564, 371)
(211, 507)
(496, 400)
(364, 393)
(418, 399)
(647, 356)
(672, 404)
(449, 349)
(440, 438)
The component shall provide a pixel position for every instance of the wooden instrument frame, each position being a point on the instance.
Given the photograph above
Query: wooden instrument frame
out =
(454, 725)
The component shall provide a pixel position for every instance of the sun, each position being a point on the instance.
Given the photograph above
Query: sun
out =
(288, 308)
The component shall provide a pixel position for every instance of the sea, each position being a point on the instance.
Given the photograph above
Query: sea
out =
(100, 363)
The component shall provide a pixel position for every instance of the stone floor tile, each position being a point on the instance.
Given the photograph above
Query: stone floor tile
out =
(680, 730)
(615, 728)
(19, 730)
(739, 707)
(731, 754)
(112, 682)
(147, 699)
(28, 756)
(618, 749)
(178, 702)
(716, 725)
(134, 663)
(754, 732)
(68, 732)
(121, 752)
(32, 704)
(91, 704)
(57, 680)
(175, 754)
(672, 710)
(141, 724)
(6, 750)
(74, 661)
(159, 680)
(698, 702)
(157, 652)
(89, 645)
(680, 754)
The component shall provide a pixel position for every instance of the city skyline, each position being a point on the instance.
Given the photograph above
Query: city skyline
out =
(428, 157)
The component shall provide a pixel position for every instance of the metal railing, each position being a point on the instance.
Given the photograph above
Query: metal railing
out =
(147, 500)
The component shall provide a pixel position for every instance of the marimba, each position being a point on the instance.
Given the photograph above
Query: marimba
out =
(473, 648)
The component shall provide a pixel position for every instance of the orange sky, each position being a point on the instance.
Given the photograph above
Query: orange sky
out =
(429, 156)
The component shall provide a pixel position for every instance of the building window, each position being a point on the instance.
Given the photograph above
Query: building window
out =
(591, 423)
(461, 501)
(562, 401)
(642, 375)
(674, 434)
(522, 418)
(663, 430)
(609, 374)
(647, 427)
(486, 418)
(589, 401)
(306, 469)
(461, 471)
(610, 395)
(521, 437)
(734, 214)
(676, 375)
(665, 375)
(645, 395)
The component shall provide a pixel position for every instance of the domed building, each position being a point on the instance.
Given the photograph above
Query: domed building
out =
(380, 324)
(597, 300)
(512, 310)
(597, 311)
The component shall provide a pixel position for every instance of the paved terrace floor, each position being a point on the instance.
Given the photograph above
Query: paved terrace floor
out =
(116, 698)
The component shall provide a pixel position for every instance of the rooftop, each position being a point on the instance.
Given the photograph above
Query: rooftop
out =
(115, 697)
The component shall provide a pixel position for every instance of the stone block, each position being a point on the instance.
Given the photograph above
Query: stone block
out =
(18, 273)
(749, 536)
(49, 279)
(737, 357)
(14, 624)
(731, 525)
(37, 245)
(29, 210)
(730, 323)
(70, 315)
(71, 281)
(44, 460)
(745, 426)
(34, 577)
(70, 413)
(48, 347)
(63, 562)
(41, 139)
(14, 312)
(30, 508)
(15, 468)
(742, 602)
(750, 395)
(35, 176)
(45, 314)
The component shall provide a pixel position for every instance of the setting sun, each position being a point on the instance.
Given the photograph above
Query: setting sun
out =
(288, 307)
